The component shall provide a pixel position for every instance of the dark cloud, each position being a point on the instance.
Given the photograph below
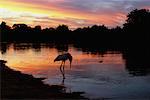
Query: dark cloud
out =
(104, 6)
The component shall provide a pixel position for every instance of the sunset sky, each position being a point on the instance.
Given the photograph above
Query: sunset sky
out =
(74, 13)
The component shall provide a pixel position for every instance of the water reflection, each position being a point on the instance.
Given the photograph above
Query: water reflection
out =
(136, 61)
(63, 82)
(4, 47)
(61, 48)
(99, 72)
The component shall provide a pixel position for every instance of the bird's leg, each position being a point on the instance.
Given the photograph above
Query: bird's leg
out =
(64, 70)
(64, 66)
(61, 64)
(61, 68)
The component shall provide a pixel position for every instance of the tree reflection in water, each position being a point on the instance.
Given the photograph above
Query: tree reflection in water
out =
(136, 60)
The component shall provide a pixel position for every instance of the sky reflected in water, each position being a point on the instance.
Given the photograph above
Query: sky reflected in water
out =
(97, 75)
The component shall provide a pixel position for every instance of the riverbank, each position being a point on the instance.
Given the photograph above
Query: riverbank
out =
(16, 85)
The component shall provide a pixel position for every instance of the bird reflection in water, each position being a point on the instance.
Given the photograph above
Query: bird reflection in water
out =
(101, 58)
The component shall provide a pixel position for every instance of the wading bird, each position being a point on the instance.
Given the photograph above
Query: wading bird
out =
(63, 58)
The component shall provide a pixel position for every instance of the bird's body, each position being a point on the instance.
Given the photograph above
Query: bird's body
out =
(63, 58)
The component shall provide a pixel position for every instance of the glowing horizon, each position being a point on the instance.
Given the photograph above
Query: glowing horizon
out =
(74, 13)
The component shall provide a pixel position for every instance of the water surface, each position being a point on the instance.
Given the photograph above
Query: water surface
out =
(98, 75)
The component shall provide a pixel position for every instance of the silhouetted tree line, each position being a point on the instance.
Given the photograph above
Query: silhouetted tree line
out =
(135, 32)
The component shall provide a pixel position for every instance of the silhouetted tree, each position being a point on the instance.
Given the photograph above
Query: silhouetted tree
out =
(37, 29)
(137, 27)
(138, 19)
(22, 32)
(4, 31)
(62, 33)
(62, 28)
